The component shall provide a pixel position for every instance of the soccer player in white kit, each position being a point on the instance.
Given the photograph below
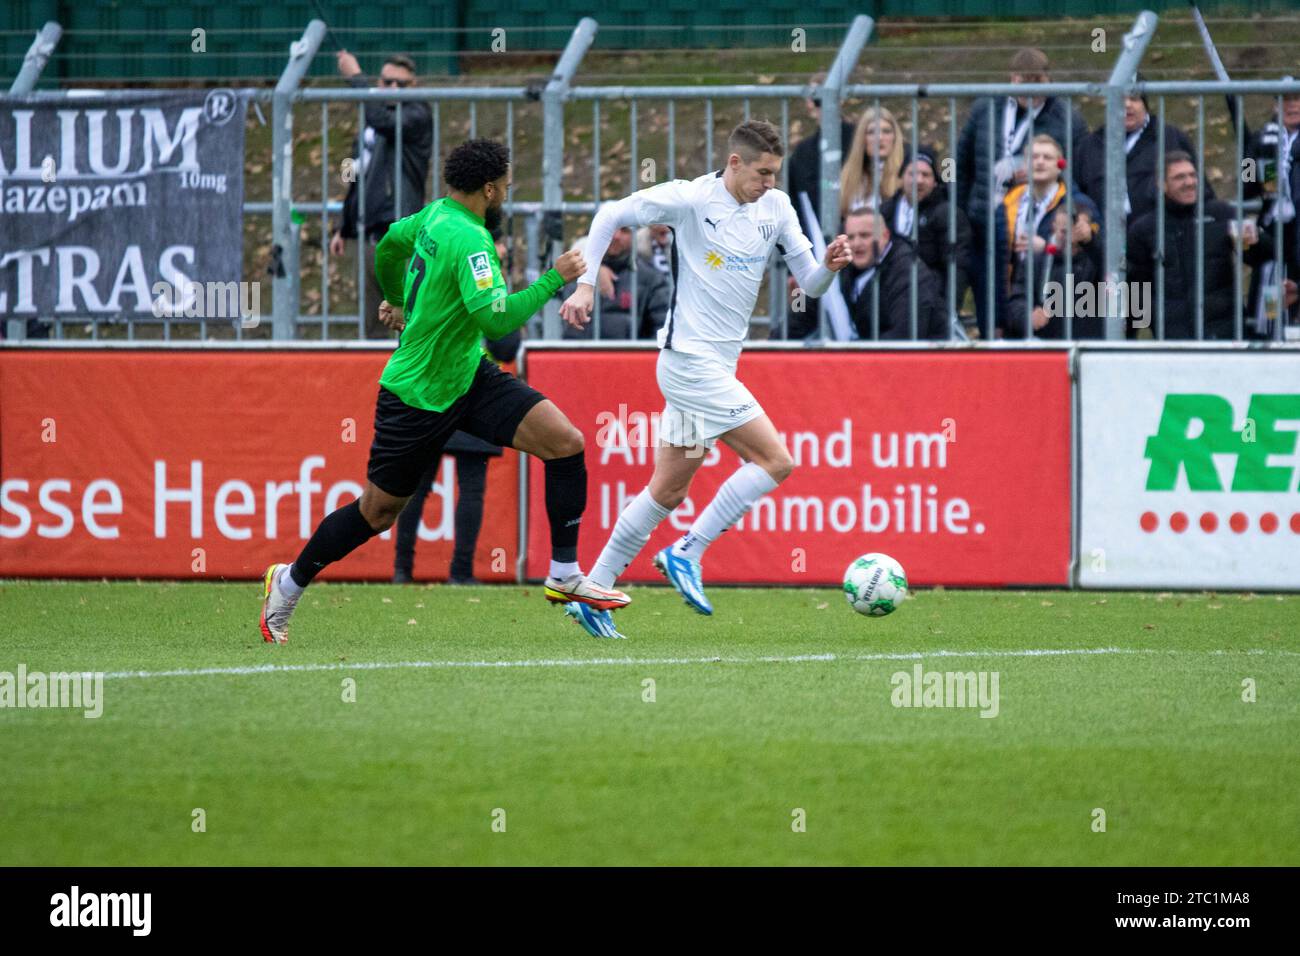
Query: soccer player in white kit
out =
(725, 225)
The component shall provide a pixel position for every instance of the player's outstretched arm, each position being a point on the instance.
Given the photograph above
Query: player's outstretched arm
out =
(611, 217)
(505, 313)
(663, 204)
(816, 279)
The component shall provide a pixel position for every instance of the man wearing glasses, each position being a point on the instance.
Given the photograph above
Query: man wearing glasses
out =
(372, 167)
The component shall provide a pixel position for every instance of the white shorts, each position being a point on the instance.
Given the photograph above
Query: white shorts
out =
(702, 399)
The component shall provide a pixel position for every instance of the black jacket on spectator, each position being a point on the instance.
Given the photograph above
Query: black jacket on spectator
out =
(417, 146)
(654, 292)
(1140, 170)
(1180, 266)
(1088, 264)
(973, 173)
(805, 174)
(932, 238)
(894, 277)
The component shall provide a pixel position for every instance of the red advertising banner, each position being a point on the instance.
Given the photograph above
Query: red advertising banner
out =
(955, 463)
(185, 463)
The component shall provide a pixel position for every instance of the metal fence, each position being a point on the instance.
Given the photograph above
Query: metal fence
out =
(551, 110)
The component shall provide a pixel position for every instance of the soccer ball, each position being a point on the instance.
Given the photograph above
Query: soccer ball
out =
(875, 585)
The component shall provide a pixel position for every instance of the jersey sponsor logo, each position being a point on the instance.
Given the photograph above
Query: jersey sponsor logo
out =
(480, 267)
(732, 263)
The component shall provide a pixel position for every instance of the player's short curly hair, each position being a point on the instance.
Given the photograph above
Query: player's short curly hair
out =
(475, 162)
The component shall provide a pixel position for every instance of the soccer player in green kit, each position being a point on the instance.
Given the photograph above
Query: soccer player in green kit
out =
(441, 266)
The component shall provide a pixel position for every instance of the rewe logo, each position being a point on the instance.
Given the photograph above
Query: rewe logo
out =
(102, 909)
(1195, 429)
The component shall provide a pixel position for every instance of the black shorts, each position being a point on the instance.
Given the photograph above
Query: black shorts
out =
(409, 440)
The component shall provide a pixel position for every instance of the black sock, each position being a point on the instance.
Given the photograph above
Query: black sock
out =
(566, 499)
(341, 533)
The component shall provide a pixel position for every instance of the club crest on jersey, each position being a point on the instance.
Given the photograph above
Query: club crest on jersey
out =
(767, 230)
(480, 267)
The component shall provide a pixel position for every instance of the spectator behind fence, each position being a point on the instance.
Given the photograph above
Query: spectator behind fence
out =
(614, 283)
(885, 260)
(1220, 236)
(930, 217)
(1031, 213)
(655, 243)
(372, 154)
(1141, 133)
(471, 455)
(873, 163)
(981, 188)
(1279, 186)
(804, 168)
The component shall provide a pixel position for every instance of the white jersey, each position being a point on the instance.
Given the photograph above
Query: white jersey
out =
(720, 252)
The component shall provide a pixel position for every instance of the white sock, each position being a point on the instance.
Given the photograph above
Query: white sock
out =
(631, 532)
(737, 495)
(564, 569)
(287, 585)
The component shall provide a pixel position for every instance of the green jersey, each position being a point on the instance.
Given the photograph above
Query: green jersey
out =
(445, 264)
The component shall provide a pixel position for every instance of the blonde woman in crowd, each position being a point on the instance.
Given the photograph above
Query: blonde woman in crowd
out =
(876, 156)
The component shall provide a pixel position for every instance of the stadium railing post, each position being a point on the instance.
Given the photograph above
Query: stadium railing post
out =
(832, 92)
(284, 234)
(1122, 76)
(553, 97)
(38, 54)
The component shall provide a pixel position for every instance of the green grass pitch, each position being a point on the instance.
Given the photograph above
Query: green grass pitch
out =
(782, 702)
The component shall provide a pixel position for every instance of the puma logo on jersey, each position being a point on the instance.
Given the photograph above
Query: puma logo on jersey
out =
(712, 222)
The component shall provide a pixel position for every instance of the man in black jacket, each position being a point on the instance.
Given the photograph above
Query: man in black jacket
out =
(1016, 120)
(884, 260)
(1141, 133)
(930, 217)
(1219, 227)
(373, 165)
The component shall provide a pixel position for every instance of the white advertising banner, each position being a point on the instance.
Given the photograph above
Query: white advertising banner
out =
(1190, 467)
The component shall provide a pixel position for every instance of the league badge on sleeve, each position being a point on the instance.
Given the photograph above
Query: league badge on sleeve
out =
(480, 266)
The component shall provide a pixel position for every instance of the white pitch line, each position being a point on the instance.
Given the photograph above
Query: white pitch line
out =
(659, 661)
